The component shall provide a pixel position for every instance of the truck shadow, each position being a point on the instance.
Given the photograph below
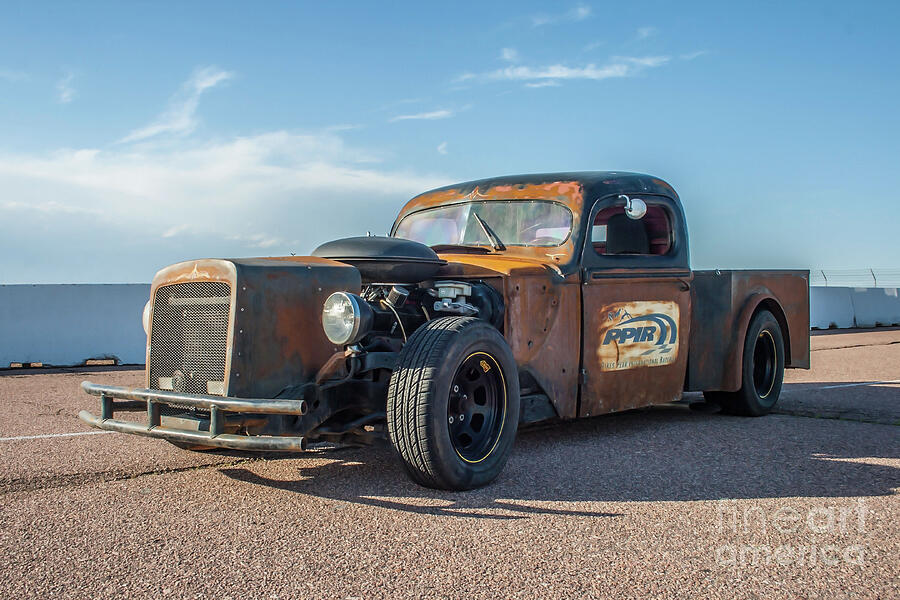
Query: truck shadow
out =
(664, 453)
(866, 401)
(380, 485)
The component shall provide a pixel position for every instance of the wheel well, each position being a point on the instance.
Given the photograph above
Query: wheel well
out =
(771, 305)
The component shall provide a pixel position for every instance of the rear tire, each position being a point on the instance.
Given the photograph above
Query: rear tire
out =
(453, 404)
(762, 370)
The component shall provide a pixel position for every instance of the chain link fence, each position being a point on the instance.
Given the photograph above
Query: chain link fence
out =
(855, 278)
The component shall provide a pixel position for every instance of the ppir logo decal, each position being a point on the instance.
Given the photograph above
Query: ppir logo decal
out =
(664, 333)
(638, 334)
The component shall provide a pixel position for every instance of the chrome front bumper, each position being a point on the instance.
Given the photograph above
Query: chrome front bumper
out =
(120, 399)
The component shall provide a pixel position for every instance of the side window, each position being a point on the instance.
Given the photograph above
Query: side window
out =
(613, 232)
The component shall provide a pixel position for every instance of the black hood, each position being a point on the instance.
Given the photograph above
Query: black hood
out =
(384, 259)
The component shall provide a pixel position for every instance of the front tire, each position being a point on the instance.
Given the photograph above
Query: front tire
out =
(453, 404)
(762, 370)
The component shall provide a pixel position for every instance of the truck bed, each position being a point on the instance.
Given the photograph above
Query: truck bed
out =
(722, 304)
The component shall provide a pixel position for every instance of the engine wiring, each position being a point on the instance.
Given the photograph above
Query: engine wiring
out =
(387, 305)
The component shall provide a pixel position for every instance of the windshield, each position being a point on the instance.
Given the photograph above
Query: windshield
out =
(516, 223)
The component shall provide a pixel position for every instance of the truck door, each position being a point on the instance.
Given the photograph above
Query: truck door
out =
(636, 305)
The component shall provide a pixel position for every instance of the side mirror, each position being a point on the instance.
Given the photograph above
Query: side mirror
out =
(635, 208)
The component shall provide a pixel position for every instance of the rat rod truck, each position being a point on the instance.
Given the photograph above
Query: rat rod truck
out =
(492, 304)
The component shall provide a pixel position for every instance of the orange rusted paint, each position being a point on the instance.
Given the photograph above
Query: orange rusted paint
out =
(475, 265)
(569, 193)
(543, 330)
(542, 324)
(278, 337)
(195, 270)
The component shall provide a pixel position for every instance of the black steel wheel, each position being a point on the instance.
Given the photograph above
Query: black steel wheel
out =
(765, 364)
(762, 370)
(477, 407)
(453, 403)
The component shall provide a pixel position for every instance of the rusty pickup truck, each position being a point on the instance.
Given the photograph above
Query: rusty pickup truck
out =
(491, 305)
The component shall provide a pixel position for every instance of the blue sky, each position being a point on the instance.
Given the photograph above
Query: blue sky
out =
(134, 135)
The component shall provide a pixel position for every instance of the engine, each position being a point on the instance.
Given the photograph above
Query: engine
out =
(383, 316)
(400, 293)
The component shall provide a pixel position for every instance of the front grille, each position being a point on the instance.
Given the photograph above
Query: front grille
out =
(189, 336)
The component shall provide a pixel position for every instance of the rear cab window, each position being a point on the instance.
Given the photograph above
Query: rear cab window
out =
(656, 242)
(614, 233)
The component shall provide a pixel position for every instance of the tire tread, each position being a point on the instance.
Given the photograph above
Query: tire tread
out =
(743, 401)
(408, 393)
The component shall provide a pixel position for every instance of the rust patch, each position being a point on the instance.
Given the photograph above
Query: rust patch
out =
(542, 328)
(569, 193)
(194, 270)
(473, 265)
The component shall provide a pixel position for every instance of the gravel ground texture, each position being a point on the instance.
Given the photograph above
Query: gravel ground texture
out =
(664, 502)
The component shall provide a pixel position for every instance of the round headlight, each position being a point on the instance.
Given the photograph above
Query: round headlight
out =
(346, 318)
(145, 318)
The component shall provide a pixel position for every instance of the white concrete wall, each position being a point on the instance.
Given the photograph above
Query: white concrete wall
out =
(845, 307)
(68, 324)
(875, 306)
(830, 307)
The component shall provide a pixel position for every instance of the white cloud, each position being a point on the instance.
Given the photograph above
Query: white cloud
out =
(644, 61)
(618, 66)
(442, 148)
(180, 118)
(509, 55)
(644, 32)
(542, 84)
(342, 127)
(401, 102)
(142, 206)
(12, 75)
(278, 191)
(579, 12)
(50, 207)
(66, 93)
(174, 230)
(262, 241)
(692, 55)
(425, 116)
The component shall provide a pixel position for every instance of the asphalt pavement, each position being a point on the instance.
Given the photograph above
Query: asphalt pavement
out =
(663, 502)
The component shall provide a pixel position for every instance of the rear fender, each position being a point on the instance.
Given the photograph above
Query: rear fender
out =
(760, 300)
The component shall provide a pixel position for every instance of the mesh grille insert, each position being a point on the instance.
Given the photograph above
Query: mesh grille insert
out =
(189, 336)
